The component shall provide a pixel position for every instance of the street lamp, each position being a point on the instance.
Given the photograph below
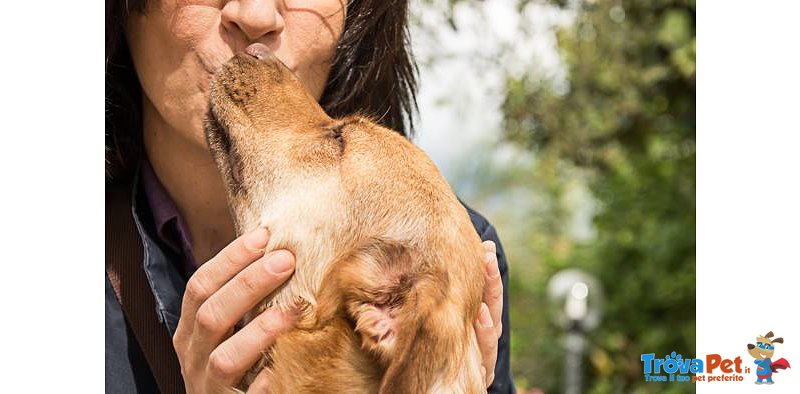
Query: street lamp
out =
(577, 300)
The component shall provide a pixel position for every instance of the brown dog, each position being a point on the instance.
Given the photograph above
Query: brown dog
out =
(388, 276)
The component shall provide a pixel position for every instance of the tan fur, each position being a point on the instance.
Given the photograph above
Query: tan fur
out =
(389, 272)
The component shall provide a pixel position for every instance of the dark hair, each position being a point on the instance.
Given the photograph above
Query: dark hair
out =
(373, 73)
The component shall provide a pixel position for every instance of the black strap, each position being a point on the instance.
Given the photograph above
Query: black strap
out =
(124, 268)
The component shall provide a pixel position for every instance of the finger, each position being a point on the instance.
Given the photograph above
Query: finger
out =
(217, 316)
(212, 275)
(262, 383)
(490, 246)
(493, 291)
(487, 342)
(233, 357)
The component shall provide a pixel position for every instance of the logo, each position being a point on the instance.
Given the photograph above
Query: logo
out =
(762, 352)
(674, 367)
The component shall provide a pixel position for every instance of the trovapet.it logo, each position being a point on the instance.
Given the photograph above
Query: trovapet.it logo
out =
(716, 368)
(676, 368)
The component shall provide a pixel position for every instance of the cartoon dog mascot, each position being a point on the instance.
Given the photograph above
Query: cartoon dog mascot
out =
(762, 351)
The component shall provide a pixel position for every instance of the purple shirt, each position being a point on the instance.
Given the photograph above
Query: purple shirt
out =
(170, 226)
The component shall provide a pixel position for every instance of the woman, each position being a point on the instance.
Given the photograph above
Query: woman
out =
(160, 57)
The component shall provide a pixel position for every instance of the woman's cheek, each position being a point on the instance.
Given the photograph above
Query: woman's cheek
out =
(191, 24)
(308, 47)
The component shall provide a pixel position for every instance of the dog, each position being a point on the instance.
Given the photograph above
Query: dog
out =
(388, 277)
(763, 351)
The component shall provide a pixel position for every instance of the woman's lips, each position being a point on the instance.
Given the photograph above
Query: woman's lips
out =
(257, 50)
(212, 64)
(212, 59)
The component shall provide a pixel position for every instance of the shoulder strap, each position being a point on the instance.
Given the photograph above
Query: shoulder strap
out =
(125, 271)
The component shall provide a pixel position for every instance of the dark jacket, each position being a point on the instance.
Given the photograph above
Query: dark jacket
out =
(126, 368)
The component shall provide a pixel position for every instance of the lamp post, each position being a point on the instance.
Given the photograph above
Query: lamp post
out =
(577, 298)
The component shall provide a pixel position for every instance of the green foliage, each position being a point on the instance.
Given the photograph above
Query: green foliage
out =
(612, 149)
(625, 127)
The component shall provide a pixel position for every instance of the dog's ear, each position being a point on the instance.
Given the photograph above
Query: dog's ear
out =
(777, 340)
(373, 284)
(769, 335)
(399, 306)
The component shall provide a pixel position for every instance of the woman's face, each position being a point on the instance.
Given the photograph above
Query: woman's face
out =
(178, 45)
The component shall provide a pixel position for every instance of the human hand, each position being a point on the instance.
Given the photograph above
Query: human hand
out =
(489, 325)
(213, 359)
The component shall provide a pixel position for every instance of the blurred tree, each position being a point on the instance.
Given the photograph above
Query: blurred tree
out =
(617, 136)
(625, 125)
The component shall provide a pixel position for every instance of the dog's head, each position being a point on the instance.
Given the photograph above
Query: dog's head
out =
(258, 114)
(266, 132)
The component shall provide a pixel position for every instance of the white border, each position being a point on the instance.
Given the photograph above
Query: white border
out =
(51, 101)
(748, 173)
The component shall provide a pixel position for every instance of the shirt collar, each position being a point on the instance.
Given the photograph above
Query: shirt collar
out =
(170, 227)
(162, 270)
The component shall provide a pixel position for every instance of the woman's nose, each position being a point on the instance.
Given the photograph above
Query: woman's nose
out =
(254, 18)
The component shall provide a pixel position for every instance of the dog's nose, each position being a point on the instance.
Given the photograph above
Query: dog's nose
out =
(258, 51)
(750, 346)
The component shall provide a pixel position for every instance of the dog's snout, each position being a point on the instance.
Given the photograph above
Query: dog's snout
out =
(258, 51)
(750, 346)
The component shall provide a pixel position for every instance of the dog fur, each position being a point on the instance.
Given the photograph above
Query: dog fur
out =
(388, 276)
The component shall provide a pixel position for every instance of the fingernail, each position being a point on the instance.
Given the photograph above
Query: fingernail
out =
(491, 246)
(491, 265)
(485, 318)
(280, 262)
(256, 240)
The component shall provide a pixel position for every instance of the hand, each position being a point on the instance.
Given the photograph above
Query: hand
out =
(213, 359)
(489, 325)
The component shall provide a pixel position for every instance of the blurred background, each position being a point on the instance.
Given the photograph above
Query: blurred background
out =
(571, 126)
